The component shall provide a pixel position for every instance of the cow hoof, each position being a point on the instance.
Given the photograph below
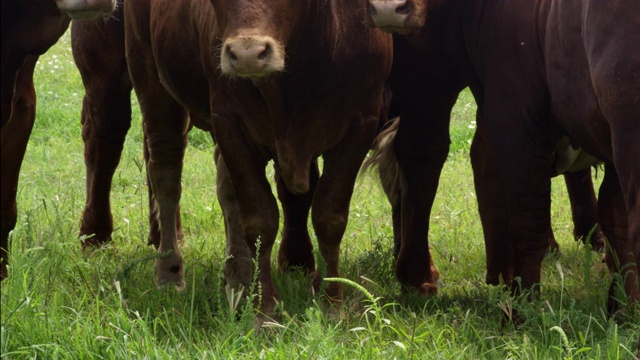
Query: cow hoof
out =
(334, 294)
(238, 272)
(428, 289)
(169, 271)
(598, 241)
(435, 273)
(264, 323)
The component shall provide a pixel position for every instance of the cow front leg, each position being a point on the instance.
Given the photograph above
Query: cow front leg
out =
(330, 208)
(421, 153)
(257, 206)
(153, 237)
(238, 266)
(389, 171)
(615, 224)
(164, 168)
(296, 250)
(494, 214)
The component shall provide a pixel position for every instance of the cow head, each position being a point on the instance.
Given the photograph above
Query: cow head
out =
(86, 9)
(400, 16)
(254, 34)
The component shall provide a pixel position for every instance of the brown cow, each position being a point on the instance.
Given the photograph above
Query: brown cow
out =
(540, 71)
(99, 54)
(29, 29)
(290, 81)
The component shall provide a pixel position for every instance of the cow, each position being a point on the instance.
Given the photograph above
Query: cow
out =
(29, 29)
(99, 53)
(284, 80)
(579, 186)
(541, 72)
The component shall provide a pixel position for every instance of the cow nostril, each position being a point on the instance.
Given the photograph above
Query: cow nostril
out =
(404, 9)
(264, 54)
(230, 53)
(372, 10)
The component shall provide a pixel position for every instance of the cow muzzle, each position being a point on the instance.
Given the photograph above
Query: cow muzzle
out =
(390, 15)
(251, 56)
(86, 9)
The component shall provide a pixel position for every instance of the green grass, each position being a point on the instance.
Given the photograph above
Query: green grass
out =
(59, 302)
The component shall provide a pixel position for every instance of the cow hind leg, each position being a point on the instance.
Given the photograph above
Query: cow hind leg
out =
(584, 209)
(106, 117)
(296, 250)
(14, 138)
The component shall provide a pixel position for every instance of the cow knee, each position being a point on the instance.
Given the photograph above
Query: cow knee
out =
(329, 225)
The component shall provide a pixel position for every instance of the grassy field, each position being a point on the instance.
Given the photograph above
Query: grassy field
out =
(59, 302)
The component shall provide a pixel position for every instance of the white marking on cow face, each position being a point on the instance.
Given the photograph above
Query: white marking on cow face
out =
(86, 9)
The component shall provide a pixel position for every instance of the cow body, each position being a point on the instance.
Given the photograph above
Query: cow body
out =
(326, 103)
(29, 29)
(540, 71)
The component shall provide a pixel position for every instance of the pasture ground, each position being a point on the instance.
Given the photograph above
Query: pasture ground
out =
(59, 302)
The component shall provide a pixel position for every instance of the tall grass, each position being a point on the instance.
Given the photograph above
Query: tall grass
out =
(60, 302)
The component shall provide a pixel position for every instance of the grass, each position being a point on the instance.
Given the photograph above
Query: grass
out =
(59, 302)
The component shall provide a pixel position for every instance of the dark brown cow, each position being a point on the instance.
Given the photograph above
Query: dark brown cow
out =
(540, 71)
(579, 185)
(288, 80)
(29, 29)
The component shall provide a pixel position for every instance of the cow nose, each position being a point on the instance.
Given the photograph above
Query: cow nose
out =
(250, 57)
(389, 13)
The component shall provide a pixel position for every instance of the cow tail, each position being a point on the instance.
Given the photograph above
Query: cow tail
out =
(385, 160)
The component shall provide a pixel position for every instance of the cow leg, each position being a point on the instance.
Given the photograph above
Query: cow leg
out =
(296, 249)
(164, 129)
(238, 267)
(615, 224)
(421, 148)
(154, 227)
(330, 208)
(106, 118)
(524, 173)
(14, 138)
(257, 205)
(584, 208)
(494, 214)
(390, 179)
(165, 124)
